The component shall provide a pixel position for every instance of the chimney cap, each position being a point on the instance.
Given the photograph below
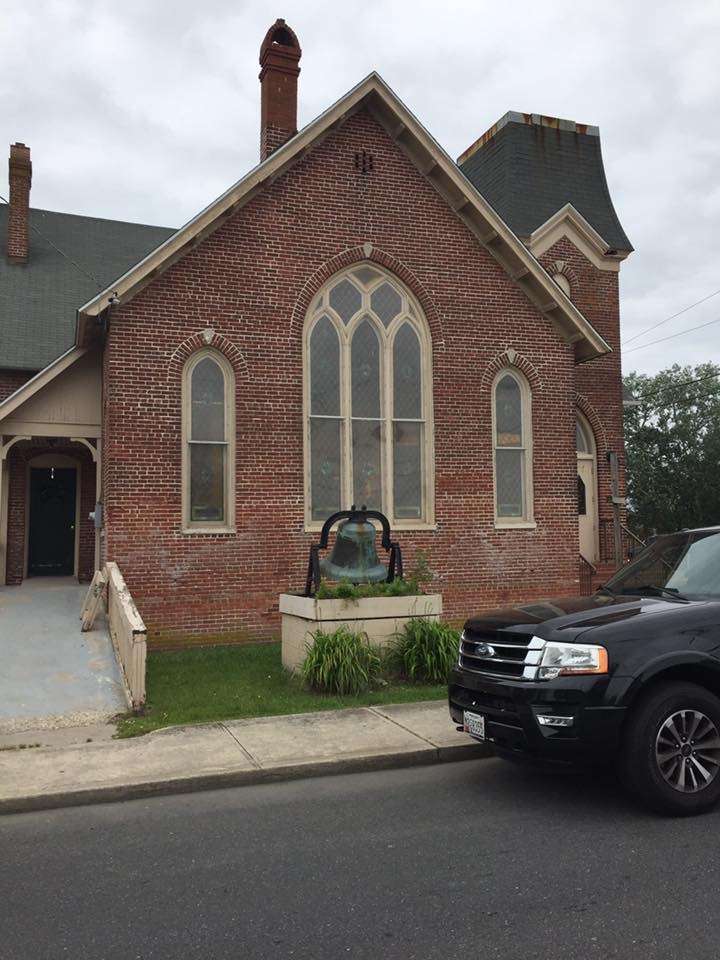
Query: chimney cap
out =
(19, 162)
(280, 35)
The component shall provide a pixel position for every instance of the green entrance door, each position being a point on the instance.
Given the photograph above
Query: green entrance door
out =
(51, 535)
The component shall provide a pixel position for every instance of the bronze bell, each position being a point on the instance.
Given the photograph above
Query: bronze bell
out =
(354, 556)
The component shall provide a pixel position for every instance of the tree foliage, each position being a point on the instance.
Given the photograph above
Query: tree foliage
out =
(672, 440)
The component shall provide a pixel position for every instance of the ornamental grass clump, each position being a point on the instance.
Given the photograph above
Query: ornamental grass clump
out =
(424, 651)
(341, 662)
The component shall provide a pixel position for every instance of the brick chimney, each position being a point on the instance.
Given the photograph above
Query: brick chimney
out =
(279, 58)
(18, 228)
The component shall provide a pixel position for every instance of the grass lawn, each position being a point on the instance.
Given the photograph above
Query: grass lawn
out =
(222, 683)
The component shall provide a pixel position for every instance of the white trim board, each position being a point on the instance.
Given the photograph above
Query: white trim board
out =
(569, 222)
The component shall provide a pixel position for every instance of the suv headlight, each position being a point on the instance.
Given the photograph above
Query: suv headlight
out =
(570, 659)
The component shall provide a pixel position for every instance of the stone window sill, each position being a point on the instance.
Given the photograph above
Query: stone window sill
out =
(316, 527)
(208, 531)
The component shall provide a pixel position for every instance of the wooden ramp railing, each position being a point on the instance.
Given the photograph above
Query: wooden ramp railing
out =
(587, 571)
(126, 627)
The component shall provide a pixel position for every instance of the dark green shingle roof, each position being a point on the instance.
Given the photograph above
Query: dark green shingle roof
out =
(528, 167)
(38, 300)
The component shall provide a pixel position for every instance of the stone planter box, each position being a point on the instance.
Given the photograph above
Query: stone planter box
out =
(378, 617)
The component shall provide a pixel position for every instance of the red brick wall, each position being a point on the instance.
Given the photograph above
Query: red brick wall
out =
(251, 281)
(599, 383)
(18, 458)
(11, 380)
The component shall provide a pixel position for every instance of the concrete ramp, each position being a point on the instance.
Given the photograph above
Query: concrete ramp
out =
(51, 674)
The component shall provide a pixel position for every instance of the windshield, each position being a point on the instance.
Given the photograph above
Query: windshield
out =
(687, 564)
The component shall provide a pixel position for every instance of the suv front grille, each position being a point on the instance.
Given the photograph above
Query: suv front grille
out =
(501, 654)
(500, 709)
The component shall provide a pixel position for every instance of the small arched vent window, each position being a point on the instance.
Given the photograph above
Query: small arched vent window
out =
(562, 281)
(208, 442)
(512, 448)
(368, 400)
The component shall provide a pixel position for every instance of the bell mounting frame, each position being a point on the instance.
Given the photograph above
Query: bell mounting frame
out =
(395, 564)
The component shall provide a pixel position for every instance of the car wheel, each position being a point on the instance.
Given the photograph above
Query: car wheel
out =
(671, 750)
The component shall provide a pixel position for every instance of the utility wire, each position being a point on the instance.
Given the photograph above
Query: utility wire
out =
(668, 319)
(673, 335)
(653, 394)
(77, 266)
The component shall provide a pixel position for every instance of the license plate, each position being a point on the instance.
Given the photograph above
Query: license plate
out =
(474, 724)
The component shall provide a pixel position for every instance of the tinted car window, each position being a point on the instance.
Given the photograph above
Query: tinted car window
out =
(698, 572)
(688, 564)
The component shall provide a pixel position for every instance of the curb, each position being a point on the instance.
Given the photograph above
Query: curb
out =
(240, 778)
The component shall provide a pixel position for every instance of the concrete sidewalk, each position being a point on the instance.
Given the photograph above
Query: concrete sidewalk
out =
(206, 756)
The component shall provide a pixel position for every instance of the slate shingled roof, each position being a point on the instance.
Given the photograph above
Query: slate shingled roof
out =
(39, 299)
(528, 167)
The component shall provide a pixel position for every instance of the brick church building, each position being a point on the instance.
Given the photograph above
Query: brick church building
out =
(359, 319)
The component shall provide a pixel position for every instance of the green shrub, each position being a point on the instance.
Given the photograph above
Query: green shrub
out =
(341, 662)
(424, 651)
(344, 590)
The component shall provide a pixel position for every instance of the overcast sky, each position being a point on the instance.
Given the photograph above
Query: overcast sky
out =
(147, 109)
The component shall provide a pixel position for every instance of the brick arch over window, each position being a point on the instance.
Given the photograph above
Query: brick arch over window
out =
(201, 341)
(591, 415)
(371, 254)
(563, 267)
(511, 358)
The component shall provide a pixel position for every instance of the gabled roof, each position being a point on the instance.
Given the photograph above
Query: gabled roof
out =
(468, 203)
(568, 222)
(39, 381)
(39, 299)
(529, 166)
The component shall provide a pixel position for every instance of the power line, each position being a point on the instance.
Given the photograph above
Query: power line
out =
(62, 253)
(668, 319)
(675, 386)
(673, 335)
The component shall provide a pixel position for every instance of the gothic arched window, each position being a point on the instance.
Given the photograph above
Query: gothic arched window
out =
(368, 400)
(208, 442)
(512, 448)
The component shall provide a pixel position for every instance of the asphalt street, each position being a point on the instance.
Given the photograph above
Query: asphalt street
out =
(468, 860)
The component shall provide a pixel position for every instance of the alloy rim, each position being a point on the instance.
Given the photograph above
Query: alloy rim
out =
(687, 751)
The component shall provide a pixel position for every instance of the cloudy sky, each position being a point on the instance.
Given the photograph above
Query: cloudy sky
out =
(148, 110)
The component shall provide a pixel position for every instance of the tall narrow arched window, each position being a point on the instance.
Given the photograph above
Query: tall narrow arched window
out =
(512, 449)
(368, 400)
(208, 428)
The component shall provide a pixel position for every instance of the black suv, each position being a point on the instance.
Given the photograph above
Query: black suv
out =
(630, 674)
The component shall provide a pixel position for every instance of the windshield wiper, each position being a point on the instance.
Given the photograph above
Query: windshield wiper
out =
(604, 588)
(671, 592)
